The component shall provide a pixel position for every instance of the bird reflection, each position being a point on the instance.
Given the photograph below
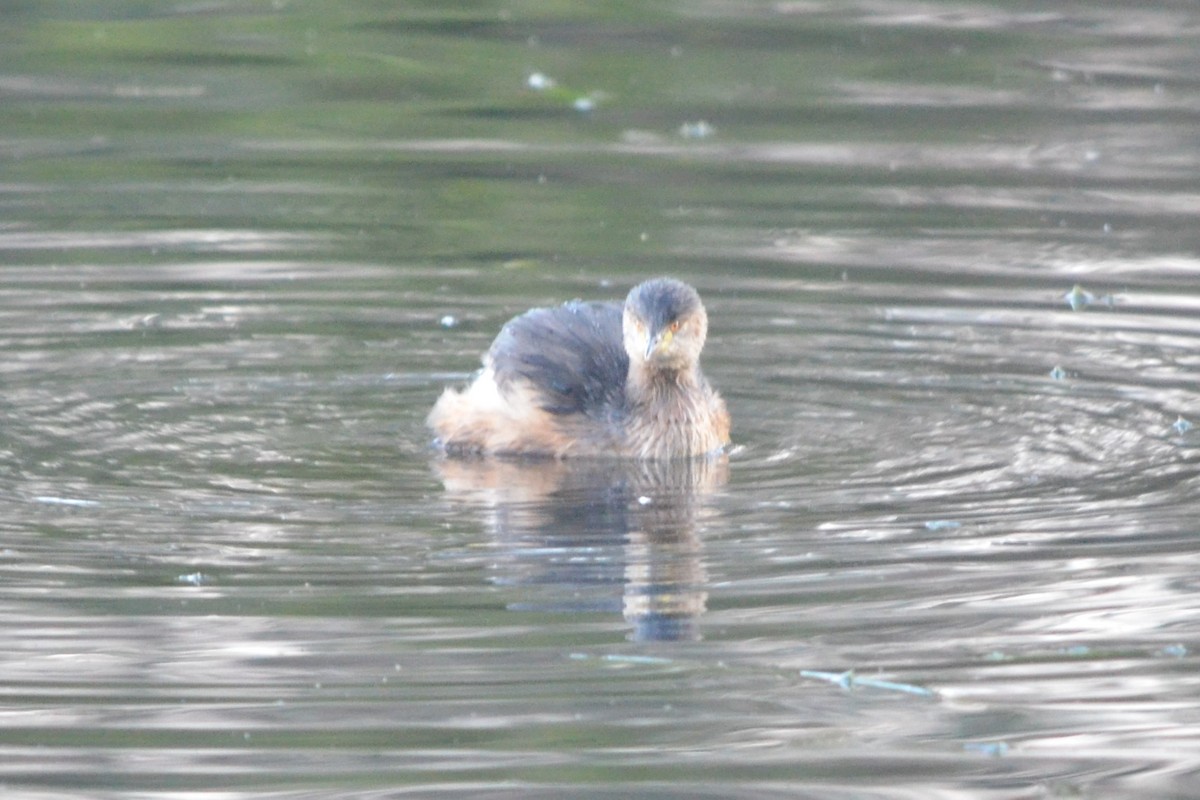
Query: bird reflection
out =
(595, 535)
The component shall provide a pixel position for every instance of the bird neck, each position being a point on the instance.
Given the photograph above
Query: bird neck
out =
(648, 385)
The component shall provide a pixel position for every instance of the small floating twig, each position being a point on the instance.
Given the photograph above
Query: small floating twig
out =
(622, 658)
(848, 680)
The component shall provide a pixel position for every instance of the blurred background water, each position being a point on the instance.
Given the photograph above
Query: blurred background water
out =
(949, 252)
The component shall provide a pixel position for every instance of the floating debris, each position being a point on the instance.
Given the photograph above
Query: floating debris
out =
(1079, 297)
(583, 103)
(848, 680)
(622, 659)
(540, 82)
(993, 749)
(942, 524)
(696, 130)
(448, 321)
(194, 579)
(75, 502)
(1181, 425)
(1078, 651)
(1058, 373)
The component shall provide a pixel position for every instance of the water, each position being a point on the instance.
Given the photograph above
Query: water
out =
(952, 554)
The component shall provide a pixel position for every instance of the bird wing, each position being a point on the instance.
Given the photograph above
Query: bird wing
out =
(572, 355)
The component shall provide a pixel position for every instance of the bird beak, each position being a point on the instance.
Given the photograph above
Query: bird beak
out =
(659, 342)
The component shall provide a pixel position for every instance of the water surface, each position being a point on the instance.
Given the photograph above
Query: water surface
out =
(949, 258)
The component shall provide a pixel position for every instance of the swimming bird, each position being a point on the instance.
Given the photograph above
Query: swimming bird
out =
(591, 379)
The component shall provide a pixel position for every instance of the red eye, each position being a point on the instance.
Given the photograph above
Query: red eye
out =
(675, 326)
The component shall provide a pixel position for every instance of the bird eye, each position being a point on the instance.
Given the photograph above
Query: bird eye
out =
(675, 326)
